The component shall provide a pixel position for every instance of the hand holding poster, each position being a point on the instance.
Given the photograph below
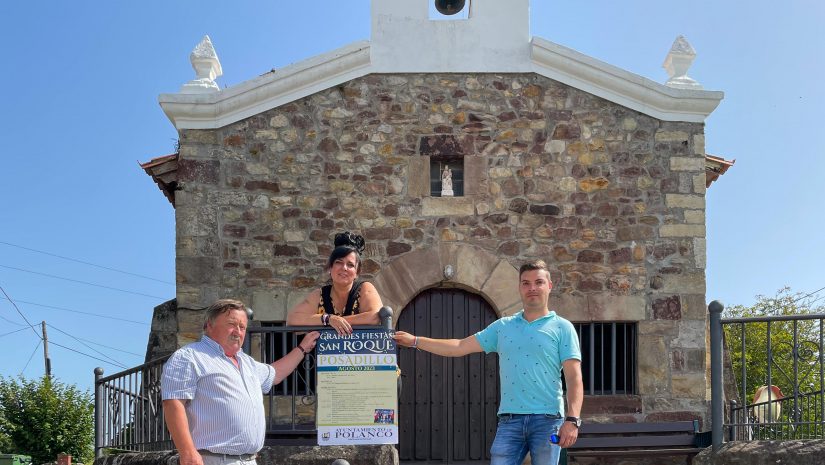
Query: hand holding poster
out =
(357, 388)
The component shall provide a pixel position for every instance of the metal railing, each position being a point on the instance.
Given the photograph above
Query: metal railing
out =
(792, 370)
(129, 406)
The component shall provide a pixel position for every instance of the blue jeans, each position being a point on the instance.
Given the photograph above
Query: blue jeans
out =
(518, 434)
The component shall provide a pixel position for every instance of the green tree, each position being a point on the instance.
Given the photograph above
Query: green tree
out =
(45, 417)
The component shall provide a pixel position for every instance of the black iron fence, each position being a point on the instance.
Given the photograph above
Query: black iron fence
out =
(129, 407)
(774, 372)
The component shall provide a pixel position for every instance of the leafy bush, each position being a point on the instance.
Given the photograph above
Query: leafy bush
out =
(45, 417)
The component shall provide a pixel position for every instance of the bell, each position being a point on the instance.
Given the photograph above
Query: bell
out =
(449, 7)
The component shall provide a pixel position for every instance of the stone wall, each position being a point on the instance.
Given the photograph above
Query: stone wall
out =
(613, 199)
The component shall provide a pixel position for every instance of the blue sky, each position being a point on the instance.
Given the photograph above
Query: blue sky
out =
(81, 79)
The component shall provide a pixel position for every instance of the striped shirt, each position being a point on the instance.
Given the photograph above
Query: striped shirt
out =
(225, 409)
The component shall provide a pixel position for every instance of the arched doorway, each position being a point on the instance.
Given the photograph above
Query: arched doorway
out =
(447, 410)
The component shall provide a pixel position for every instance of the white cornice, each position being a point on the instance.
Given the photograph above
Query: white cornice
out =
(218, 109)
(276, 88)
(619, 86)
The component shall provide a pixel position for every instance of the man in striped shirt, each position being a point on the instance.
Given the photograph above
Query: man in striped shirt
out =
(213, 392)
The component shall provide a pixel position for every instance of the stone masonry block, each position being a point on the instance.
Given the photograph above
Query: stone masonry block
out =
(269, 305)
(687, 164)
(691, 335)
(695, 216)
(694, 307)
(475, 176)
(693, 202)
(472, 266)
(418, 177)
(569, 306)
(685, 283)
(682, 230)
(501, 287)
(671, 136)
(691, 385)
(700, 183)
(653, 366)
(447, 206)
(608, 307)
(700, 252)
(699, 145)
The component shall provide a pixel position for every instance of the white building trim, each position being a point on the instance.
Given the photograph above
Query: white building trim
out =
(619, 86)
(271, 90)
(394, 23)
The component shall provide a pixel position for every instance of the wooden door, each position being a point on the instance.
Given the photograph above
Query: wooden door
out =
(447, 410)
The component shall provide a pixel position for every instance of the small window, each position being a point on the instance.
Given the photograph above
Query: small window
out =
(449, 10)
(441, 168)
(608, 357)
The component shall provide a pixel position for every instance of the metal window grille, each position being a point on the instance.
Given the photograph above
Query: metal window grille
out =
(608, 357)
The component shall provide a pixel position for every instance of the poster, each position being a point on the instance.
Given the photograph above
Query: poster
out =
(357, 388)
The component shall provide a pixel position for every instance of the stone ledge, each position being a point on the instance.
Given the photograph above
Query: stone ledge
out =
(275, 455)
(808, 452)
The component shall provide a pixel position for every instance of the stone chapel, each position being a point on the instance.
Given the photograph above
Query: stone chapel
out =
(552, 154)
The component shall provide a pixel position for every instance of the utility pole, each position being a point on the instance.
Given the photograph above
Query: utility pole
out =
(46, 350)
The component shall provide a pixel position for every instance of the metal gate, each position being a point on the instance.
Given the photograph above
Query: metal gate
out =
(448, 406)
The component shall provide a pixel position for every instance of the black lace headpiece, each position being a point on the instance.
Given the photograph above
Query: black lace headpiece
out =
(353, 240)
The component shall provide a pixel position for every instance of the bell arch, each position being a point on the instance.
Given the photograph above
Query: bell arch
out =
(473, 269)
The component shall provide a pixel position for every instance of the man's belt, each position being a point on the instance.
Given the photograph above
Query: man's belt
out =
(244, 457)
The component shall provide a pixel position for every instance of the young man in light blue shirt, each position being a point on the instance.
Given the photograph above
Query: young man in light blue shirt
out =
(535, 346)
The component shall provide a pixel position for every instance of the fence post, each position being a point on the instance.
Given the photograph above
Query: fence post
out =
(98, 413)
(716, 395)
(385, 315)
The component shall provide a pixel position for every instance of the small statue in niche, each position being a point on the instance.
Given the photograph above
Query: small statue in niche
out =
(446, 182)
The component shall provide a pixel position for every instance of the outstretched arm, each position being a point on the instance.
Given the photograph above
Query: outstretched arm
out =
(444, 347)
(287, 364)
(306, 312)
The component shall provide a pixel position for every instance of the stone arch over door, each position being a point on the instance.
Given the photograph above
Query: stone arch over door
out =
(474, 269)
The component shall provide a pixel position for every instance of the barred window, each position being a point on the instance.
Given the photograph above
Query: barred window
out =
(608, 357)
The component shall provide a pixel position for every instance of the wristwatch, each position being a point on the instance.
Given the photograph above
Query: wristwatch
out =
(575, 420)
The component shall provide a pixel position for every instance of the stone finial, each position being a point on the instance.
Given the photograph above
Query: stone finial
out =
(207, 67)
(677, 62)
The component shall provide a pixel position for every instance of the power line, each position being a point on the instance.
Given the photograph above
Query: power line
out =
(807, 295)
(81, 282)
(21, 313)
(108, 347)
(31, 356)
(99, 315)
(12, 322)
(87, 345)
(12, 332)
(90, 356)
(87, 263)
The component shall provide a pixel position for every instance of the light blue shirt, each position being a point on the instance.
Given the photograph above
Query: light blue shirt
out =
(530, 360)
(225, 408)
